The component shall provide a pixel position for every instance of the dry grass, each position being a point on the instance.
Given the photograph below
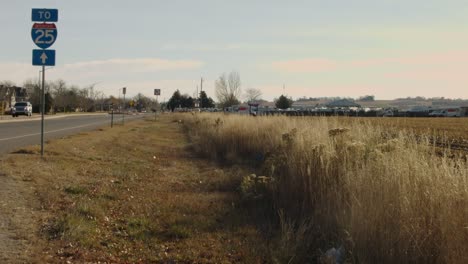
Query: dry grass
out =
(132, 194)
(382, 192)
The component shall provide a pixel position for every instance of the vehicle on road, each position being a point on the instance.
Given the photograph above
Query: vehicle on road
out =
(448, 112)
(436, 113)
(388, 113)
(21, 108)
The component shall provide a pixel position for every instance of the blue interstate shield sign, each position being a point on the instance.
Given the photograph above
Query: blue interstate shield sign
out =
(44, 34)
(43, 57)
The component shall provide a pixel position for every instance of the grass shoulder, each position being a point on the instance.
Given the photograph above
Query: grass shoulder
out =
(133, 193)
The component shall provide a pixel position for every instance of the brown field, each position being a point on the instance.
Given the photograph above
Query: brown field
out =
(452, 129)
(383, 189)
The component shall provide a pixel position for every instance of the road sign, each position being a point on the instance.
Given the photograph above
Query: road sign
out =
(43, 57)
(44, 15)
(157, 91)
(44, 34)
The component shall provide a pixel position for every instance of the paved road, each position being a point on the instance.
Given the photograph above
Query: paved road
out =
(22, 132)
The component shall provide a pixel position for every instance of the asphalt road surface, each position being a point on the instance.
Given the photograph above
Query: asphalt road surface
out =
(22, 132)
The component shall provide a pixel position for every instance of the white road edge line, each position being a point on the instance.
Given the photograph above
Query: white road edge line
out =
(48, 132)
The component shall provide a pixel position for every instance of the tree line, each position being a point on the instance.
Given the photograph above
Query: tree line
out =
(228, 92)
(63, 97)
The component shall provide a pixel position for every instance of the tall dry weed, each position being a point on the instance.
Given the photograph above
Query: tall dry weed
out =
(397, 200)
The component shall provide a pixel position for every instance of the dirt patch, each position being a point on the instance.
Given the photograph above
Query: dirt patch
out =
(15, 220)
(24, 151)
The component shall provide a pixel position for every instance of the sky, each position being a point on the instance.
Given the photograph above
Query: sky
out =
(390, 49)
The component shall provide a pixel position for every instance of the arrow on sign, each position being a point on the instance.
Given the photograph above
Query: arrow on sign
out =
(44, 58)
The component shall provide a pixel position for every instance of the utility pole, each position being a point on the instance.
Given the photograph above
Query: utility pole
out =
(124, 91)
(120, 104)
(201, 90)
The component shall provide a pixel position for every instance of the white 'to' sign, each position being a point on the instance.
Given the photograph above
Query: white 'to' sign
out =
(44, 15)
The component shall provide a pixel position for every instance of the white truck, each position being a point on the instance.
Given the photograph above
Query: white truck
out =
(446, 112)
(21, 108)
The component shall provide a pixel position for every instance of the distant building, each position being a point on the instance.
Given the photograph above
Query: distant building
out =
(9, 95)
(21, 94)
(343, 103)
(305, 104)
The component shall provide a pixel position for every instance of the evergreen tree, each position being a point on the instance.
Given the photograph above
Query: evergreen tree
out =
(187, 101)
(175, 101)
(283, 102)
(205, 101)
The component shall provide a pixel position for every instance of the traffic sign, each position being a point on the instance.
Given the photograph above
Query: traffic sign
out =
(157, 91)
(43, 57)
(44, 34)
(44, 15)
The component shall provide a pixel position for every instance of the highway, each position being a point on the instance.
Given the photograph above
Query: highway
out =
(21, 132)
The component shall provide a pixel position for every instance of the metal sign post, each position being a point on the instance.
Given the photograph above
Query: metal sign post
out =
(157, 93)
(43, 35)
(124, 91)
(42, 110)
(112, 115)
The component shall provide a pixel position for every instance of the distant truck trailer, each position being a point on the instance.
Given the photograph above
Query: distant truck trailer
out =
(446, 112)
(464, 111)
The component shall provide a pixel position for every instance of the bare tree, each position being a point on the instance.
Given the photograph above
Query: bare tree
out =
(99, 100)
(252, 94)
(34, 90)
(83, 99)
(73, 100)
(7, 83)
(59, 92)
(228, 89)
(6, 91)
(143, 102)
(92, 98)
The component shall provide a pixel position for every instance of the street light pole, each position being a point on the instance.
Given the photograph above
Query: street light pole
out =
(40, 72)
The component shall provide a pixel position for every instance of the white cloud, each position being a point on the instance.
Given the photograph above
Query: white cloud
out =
(133, 65)
(201, 47)
(305, 65)
(86, 72)
(18, 72)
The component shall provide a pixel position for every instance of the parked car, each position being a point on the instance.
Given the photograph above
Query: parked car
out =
(21, 108)
(388, 112)
(436, 113)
